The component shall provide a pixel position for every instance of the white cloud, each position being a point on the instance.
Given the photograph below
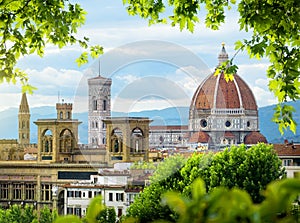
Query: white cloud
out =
(127, 78)
(263, 97)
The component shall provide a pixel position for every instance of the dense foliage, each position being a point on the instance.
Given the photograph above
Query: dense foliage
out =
(274, 27)
(235, 205)
(26, 26)
(238, 167)
(107, 215)
(27, 214)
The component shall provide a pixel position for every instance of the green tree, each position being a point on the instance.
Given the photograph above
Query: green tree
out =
(147, 206)
(26, 26)
(108, 215)
(249, 169)
(274, 27)
(168, 167)
(46, 215)
(238, 167)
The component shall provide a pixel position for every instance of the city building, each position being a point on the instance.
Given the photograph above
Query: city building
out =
(118, 189)
(289, 153)
(57, 161)
(63, 175)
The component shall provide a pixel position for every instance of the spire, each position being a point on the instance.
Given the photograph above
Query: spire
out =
(24, 108)
(223, 56)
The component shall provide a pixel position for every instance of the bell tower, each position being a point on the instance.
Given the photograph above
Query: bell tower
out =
(24, 121)
(99, 109)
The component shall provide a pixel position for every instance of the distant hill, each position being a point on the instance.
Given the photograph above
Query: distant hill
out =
(270, 129)
(168, 116)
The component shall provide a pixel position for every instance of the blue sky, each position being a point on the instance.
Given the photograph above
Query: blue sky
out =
(151, 67)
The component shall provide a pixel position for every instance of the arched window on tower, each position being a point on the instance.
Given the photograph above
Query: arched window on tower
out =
(68, 115)
(61, 115)
(96, 124)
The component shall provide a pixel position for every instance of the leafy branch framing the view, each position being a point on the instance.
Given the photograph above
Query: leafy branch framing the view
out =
(27, 26)
(274, 25)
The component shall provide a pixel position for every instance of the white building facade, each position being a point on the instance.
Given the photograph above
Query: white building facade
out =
(111, 185)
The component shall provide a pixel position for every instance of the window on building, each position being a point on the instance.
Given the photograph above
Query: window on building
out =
(119, 197)
(17, 191)
(78, 212)
(120, 212)
(61, 115)
(69, 115)
(70, 194)
(70, 210)
(90, 194)
(30, 191)
(94, 105)
(96, 124)
(46, 194)
(95, 180)
(287, 162)
(104, 105)
(77, 193)
(4, 189)
(110, 196)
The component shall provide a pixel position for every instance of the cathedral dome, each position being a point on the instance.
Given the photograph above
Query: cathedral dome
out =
(215, 93)
(226, 111)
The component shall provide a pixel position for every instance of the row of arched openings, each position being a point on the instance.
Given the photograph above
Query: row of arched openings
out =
(66, 141)
(136, 141)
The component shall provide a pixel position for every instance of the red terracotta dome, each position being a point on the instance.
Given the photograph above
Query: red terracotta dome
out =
(215, 93)
(254, 138)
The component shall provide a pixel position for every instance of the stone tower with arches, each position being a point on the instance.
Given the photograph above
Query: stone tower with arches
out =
(127, 139)
(57, 138)
(24, 122)
(99, 108)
